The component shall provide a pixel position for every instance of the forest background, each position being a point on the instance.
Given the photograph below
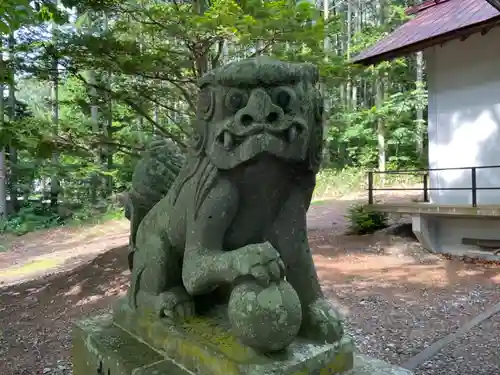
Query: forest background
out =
(88, 84)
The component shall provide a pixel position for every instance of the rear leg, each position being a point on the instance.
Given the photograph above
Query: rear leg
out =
(137, 213)
(156, 283)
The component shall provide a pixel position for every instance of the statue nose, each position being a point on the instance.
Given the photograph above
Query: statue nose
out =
(259, 109)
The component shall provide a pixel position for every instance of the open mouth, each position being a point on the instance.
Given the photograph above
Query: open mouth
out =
(230, 140)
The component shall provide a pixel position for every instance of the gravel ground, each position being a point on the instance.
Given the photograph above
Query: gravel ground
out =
(399, 300)
(476, 352)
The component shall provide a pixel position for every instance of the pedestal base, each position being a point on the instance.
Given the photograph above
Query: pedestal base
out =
(133, 343)
(129, 342)
(101, 348)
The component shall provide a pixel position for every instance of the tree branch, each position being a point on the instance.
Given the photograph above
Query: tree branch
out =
(135, 107)
(220, 48)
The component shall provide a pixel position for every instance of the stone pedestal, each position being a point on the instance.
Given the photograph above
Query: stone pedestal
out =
(132, 343)
(136, 343)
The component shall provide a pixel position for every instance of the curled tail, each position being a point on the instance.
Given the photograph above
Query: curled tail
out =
(153, 176)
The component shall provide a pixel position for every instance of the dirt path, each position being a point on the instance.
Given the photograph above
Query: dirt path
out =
(61, 249)
(57, 250)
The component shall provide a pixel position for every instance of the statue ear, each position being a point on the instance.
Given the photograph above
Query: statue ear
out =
(204, 111)
(206, 103)
(316, 138)
(199, 138)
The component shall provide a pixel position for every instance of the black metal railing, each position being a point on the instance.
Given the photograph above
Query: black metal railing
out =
(425, 182)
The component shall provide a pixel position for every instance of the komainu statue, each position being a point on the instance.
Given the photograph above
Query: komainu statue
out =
(228, 228)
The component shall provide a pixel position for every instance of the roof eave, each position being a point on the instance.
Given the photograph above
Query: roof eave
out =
(494, 3)
(419, 46)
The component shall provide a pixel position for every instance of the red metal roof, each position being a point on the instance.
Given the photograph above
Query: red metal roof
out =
(435, 21)
(424, 5)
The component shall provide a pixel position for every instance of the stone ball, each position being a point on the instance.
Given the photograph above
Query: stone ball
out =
(265, 318)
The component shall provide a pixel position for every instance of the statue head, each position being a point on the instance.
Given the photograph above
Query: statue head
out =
(260, 105)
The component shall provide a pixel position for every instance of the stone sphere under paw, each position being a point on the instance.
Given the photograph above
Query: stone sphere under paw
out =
(265, 318)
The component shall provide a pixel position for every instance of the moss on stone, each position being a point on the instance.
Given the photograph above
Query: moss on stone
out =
(207, 345)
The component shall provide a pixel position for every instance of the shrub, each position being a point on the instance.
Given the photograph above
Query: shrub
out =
(34, 217)
(30, 218)
(362, 219)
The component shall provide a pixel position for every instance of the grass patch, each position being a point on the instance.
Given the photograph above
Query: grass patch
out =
(5, 241)
(319, 202)
(332, 183)
(4, 247)
(94, 217)
(32, 267)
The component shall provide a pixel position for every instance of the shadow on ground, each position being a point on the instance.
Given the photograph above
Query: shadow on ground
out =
(35, 317)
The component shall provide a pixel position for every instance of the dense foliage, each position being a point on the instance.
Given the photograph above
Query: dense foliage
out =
(87, 84)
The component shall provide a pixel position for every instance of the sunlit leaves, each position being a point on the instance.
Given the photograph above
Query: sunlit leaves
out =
(15, 14)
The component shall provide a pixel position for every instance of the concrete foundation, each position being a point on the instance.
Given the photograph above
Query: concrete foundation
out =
(443, 228)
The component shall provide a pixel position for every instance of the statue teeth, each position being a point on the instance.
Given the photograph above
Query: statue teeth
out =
(292, 134)
(228, 141)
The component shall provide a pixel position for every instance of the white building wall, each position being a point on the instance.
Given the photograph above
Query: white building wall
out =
(464, 116)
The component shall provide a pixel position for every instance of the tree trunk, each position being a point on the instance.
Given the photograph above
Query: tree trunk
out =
(3, 174)
(54, 180)
(323, 87)
(355, 84)
(379, 98)
(420, 110)
(94, 117)
(201, 61)
(13, 161)
(140, 119)
(108, 134)
(348, 54)
(55, 187)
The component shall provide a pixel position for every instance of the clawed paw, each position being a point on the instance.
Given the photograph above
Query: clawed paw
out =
(261, 261)
(322, 322)
(175, 304)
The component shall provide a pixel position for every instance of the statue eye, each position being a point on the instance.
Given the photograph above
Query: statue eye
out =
(236, 99)
(283, 97)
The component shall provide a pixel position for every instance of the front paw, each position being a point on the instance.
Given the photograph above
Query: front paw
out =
(175, 303)
(260, 261)
(322, 322)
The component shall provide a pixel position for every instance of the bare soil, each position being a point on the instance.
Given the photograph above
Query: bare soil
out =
(57, 250)
(398, 298)
(35, 317)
